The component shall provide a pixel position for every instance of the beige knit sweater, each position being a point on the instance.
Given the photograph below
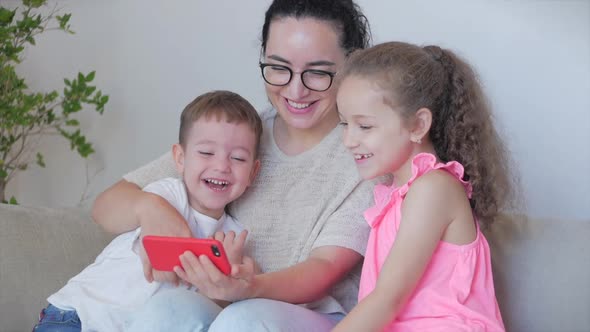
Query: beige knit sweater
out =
(296, 204)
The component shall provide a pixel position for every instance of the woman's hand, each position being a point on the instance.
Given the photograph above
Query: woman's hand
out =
(233, 245)
(202, 273)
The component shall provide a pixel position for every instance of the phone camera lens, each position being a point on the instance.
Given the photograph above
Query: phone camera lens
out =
(215, 251)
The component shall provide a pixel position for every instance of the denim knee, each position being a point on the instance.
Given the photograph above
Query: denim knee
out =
(53, 319)
(177, 310)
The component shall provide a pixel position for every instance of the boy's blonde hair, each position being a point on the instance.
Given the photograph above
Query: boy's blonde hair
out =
(223, 105)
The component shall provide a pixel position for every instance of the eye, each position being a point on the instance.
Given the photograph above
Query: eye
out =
(278, 68)
(319, 73)
(205, 153)
(343, 124)
(364, 127)
(238, 159)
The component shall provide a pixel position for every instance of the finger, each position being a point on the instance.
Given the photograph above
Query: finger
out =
(213, 273)
(229, 237)
(219, 236)
(245, 270)
(181, 273)
(147, 266)
(194, 270)
(241, 239)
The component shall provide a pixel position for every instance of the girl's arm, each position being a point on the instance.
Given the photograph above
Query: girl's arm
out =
(428, 209)
(301, 283)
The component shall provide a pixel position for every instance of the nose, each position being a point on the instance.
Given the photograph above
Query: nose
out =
(296, 88)
(349, 139)
(222, 164)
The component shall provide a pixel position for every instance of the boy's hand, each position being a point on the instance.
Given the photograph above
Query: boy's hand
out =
(233, 245)
(155, 275)
(157, 217)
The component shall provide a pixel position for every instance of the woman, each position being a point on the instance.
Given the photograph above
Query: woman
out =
(303, 211)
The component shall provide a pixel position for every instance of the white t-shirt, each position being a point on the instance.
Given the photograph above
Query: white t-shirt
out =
(108, 291)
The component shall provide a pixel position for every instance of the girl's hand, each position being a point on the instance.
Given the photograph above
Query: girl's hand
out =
(233, 246)
(200, 272)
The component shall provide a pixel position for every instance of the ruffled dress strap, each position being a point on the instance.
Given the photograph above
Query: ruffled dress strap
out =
(385, 196)
(426, 162)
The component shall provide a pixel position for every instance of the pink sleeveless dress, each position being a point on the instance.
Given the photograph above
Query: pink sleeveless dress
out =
(456, 292)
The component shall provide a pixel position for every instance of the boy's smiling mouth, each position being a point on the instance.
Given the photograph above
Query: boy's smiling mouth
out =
(216, 184)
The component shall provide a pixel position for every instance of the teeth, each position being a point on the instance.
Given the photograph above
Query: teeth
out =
(297, 105)
(362, 156)
(217, 182)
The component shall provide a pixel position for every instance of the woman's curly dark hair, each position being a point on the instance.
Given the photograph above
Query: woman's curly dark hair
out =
(462, 128)
(346, 16)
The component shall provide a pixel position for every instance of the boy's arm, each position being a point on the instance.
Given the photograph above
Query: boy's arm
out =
(426, 212)
(124, 206)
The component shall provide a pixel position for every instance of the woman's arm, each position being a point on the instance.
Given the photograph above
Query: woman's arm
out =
(309, 280)
(427, 211)
(301, 283)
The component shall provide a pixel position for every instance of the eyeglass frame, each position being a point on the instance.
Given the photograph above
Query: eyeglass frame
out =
(291, 72)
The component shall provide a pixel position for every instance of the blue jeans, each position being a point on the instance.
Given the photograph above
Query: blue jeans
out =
(54, 319)
(181, 310)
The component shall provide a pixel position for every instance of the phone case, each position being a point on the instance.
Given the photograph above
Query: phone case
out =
(164, 251)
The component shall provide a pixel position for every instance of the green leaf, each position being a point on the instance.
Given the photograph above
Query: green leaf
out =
(3, 173)
(30, 39)
(40, 160)
(12, 201)
(72, 122)
(6, 16)
(90, 76)
(67, 82)
(34, 3)
(63, 22)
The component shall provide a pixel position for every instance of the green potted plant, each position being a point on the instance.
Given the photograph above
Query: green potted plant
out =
(27, 116)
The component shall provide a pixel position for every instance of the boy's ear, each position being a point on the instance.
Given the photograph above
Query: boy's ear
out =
(254, 172)
(422, 124)
(178, 155)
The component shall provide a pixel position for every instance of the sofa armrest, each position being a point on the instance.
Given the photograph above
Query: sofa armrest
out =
(40, 249)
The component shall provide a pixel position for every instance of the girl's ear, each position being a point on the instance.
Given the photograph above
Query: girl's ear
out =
(422, 124)
(178, 155)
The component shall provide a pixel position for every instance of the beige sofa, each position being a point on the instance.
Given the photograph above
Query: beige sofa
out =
(542, 267)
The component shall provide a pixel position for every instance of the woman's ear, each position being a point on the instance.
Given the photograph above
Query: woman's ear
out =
(178, 155)
(421, 126)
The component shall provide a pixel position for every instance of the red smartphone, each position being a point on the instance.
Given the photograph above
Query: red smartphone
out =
(164, 251)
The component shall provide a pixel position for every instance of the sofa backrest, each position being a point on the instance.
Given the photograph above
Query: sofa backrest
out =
(542, 273)
(40, 249)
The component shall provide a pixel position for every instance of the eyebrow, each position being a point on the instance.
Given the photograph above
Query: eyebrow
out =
(310, 64)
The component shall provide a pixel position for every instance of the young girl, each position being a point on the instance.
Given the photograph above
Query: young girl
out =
(419, 114)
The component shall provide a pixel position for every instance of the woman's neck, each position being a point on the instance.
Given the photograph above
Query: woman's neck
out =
(294, 141)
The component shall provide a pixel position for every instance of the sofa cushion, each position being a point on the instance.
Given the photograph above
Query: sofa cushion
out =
(40, 249)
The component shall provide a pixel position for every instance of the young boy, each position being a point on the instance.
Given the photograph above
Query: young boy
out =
(217, 158)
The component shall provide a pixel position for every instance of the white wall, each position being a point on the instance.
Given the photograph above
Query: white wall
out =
(153, 57)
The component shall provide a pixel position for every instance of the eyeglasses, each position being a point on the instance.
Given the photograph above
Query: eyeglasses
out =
(313, 79)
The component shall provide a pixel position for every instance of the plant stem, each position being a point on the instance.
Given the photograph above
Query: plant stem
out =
(2, 189)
